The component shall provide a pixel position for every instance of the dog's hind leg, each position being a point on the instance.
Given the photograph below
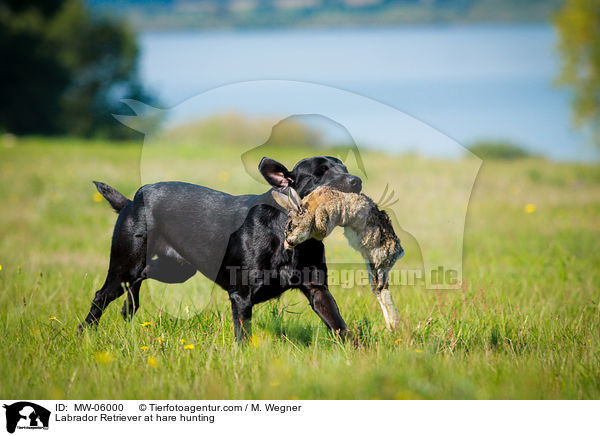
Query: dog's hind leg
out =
(132, 300)
(113, 288)
(167, 267)
(127, 264)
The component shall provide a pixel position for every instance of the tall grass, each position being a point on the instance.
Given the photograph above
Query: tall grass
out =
(525, 323)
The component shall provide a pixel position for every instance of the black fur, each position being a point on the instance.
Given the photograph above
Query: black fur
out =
(172, 229)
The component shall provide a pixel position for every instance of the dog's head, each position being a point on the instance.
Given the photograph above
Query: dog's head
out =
(309, 174)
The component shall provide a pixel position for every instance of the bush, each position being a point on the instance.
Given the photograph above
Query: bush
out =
(499, 151)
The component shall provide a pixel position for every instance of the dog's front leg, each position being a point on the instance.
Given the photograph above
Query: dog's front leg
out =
(324, 305)
(241, 310)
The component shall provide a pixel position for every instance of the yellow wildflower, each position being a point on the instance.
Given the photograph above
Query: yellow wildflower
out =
(529, 208)
(255, 341)
(52, 318)
(418, 351)
(188, 347)
(144, 347)
(146, 324)
(97, 197)
(183, 341)
(152, 362)
(103, 357)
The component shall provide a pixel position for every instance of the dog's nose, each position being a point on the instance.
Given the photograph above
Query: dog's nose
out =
(355, 183)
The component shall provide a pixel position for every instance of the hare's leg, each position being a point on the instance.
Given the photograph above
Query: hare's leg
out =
(379, 279)
(390, 313)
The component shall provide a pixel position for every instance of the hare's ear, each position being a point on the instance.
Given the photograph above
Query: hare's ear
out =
(294, 197)
(285, 201)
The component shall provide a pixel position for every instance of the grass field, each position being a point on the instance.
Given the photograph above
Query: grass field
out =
(526, 323)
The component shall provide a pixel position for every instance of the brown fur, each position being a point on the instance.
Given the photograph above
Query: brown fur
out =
(368, 229)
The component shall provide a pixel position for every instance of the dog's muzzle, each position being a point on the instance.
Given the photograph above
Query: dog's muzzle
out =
(355, 184)
(347, 183)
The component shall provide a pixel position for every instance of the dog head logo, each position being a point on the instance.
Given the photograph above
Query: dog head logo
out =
(433, 193)
(26, 415)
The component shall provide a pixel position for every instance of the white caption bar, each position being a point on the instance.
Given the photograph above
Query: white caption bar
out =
(298, 417)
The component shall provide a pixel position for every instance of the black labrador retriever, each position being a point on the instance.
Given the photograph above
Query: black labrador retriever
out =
(170, 230)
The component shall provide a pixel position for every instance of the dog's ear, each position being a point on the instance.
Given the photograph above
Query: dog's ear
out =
(289, 199)
(275, 173)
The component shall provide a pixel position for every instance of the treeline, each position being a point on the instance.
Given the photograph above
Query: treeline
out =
(169, 14)
(63, 71)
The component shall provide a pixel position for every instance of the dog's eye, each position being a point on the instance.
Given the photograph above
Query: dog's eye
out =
(323, 168)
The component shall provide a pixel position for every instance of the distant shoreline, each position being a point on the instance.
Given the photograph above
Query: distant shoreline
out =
(348, 28)
(187, 15)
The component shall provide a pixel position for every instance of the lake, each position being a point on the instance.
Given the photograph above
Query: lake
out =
(469, 82)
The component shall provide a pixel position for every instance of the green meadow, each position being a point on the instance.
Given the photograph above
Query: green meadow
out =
(523, 324)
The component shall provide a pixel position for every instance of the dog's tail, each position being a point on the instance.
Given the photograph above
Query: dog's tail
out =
(117, 200)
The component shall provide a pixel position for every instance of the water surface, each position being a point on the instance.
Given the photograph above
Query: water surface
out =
(469, 82)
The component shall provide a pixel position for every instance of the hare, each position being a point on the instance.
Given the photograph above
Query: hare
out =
(368, 230)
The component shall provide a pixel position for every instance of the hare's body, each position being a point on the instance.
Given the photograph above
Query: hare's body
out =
(368, 230)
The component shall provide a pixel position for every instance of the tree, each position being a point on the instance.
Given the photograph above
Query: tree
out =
(63, 70)
(578, 25)
(31, 78)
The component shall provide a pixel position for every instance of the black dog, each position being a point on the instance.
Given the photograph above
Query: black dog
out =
(172, 229)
